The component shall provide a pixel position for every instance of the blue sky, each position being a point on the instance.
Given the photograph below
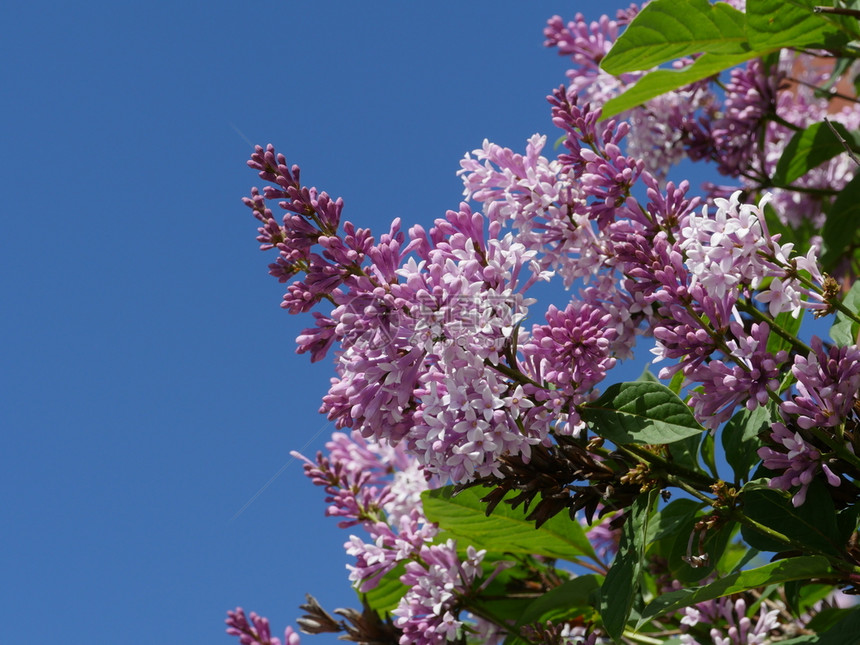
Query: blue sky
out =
(150, 385)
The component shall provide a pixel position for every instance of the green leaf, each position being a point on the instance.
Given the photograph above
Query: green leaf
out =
(842, 224)
(385, 596)
(828, 619)
(677, 513)
(803, 595)
(790, 324)
(641, 412)
(844, 330)
(564, 602)
(813, 523)
(772, 24)
(622, 582)
(668, 29)
(714, 545)
(799, 568)
(686, 452)
(664, 80)
(843, 632)
(848, 519)
(810, 148)
(463, 516)
(708, 454)
(740, 439)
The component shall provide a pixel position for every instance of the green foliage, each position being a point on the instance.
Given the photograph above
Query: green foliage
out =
(800, 568)
(569, 600)
(463, 516)
(773, 24)
(844, 330)
(789, 324)
(668, 29)
(810, 148)
(740, 439)
(840, 230)
(622, 582)
(386, 595)
(665, 80)
(641, 412)
(813, 524)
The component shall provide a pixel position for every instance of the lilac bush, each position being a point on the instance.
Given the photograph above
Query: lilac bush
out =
(502, 487)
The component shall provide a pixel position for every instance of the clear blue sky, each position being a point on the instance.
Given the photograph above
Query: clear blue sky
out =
(149, 382)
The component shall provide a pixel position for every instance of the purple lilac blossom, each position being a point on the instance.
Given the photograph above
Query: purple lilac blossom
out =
(428, 613)
(256, 630)
(798, 460)
(724, 611)
(827, 383)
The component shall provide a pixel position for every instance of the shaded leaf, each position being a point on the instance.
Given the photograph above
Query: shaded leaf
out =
(844, 632)
(622, 582)
(668, 29)
(565, 601)
(640, 411)
(709, 454)
(842, 224)
(844, 330)
(740, 439)
(791, 324)
(810, 148)
(675, 514)
(463, 516)
(813, 523)
(774, 573)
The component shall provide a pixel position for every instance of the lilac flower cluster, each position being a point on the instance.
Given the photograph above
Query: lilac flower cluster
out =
(378, 486)
(427, 613)
(256, 630)
(741, 630)
(828, 381)
(439, 379)
(695, 121)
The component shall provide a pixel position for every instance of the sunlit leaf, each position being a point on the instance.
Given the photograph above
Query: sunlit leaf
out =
(772, 24)
(506, 530)
(668, 29)
(665, 80)
(641, 411)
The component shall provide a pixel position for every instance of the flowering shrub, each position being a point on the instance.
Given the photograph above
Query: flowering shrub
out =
(507, 493)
